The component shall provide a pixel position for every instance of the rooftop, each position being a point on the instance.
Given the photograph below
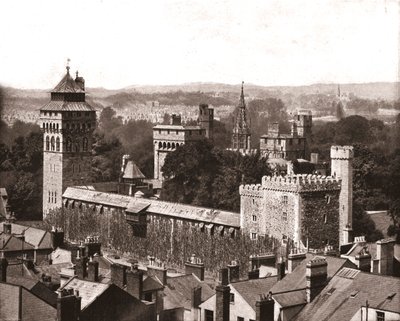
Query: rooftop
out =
(349, 290)
(40, 239)
(59, 105)
(131, 171)
(67, 85)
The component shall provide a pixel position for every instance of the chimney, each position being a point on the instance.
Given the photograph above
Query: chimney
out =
(157, 269)
(255, 274)
(93, 271)
(176, 119)
(267, 259)
(294, 260)
(329, 251)
(314, 158)
(316, 277)
(7, 228)
(196, 297)
(68, 305)
(280, 269)
(118, 275)
(384, 255)
(92, 245)
(233, 272)
(222, 303)
(195, 266)
(3, 268)
(82, 250)
(57, 237)
(363, 260)
(80, 81)
(134, 282)
(265, 308)
(81, 267)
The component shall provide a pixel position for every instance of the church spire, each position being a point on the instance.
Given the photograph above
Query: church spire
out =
(242, 103)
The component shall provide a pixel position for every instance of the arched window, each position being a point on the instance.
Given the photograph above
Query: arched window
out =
(44, 126)
(83, 127)
(52, 143)
(159, 145)
(47, 143)
(164, 145)
(69, 144)
(168, 145)
(47, 126)
(85, 144)
(77, 147)
(173, 145)
(57, 126)
(58, 144)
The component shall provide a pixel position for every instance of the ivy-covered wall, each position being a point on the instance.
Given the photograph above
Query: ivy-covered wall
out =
(169, 240)
(320, 219)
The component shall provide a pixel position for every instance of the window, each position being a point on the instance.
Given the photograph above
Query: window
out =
(240, 319)
(253, 236)
(254, 218)
(380, 316)
(55, 197)
(148, 297)
(58, 144)
(159, 131)
(52, 143)
(232, 298)
(325, 218)
(209, 315)
(87, 114)
(85, 144)
(177, 132)
(168, 132)
(78, 114)
(47, 143)
(328, 199)
(284, 216)
(49, 196)
(285, 199)
(190, 132)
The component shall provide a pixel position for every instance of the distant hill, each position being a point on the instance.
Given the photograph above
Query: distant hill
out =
(15, 100)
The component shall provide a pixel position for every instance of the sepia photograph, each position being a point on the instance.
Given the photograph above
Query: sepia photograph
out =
(187, 160)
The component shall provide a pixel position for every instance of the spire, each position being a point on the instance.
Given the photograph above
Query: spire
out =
(242, 102)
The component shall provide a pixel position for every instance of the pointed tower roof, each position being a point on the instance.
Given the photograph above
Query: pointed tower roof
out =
(241, 126)
(67, 85)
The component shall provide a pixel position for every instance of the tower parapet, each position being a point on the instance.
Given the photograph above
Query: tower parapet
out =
(301, 183)
(342, 152)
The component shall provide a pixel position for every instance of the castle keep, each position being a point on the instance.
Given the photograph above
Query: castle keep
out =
(166, 138)
(67, 122)
(308, 210)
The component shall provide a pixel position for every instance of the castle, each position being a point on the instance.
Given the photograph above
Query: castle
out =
(67, 122)
(289, 146)
(309, 210)
(166, 138)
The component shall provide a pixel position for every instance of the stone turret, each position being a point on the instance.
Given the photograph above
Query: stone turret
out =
(342, 168)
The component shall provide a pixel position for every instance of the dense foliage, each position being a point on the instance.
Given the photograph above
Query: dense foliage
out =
(171, 244)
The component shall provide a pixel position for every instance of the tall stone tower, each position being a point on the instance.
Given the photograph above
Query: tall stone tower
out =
(303, 122)
(241, 131)
(67, 122)
(342, 167)
(206, 119)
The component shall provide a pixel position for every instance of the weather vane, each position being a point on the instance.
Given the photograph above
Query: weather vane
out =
(68, 61)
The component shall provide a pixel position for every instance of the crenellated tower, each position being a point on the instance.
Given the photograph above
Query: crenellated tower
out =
(342, 167)
(67, 122)
(241, 131)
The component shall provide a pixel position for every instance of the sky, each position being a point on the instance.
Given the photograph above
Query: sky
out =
(115, 43)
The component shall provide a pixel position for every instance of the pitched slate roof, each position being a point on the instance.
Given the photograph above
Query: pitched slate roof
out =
(344, 295)
(131, 204)
(250, 290)
(60, 105)
(39, 238)
(297, 279)
(13, 243)
(131, 171)
(178, 291)
(67, 85)
(152, 284)
(88, 290)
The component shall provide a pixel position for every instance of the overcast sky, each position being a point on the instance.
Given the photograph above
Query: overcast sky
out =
(121, 43)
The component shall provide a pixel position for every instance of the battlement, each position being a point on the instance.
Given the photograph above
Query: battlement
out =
(301, 183)
(342, 152)
(253, 190)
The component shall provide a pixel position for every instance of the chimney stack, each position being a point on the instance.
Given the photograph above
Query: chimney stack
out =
(118, 275)
(68, 305)
(294, 259)
(176, 119)
(233, 272)
(316, 277)
(385, 254)
(195, 266)
(3, 268)
(57, 237)
(265, 308)
(363, 260)
(222, 303)
(280, 269)
(93, 271)
(255, 274)
(92, 246)
(157, 268)
(134, 282)
(81, 267)
(7, 228)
